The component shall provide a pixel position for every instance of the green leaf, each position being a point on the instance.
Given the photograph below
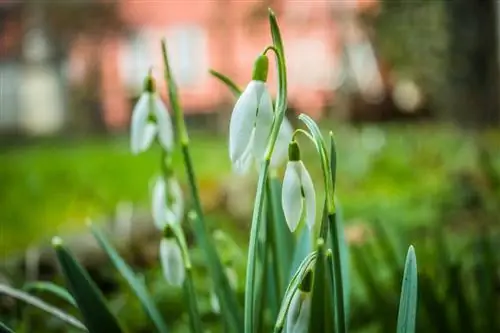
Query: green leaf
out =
(38, 303)
(322, 298)
(408, 301)
(194, 315)
(91, 303)
(225, 294)
(302, 250)
(5, 329)
(281, 239)
(228, 82)
(51, 288)
(134, 282)
(344, 257)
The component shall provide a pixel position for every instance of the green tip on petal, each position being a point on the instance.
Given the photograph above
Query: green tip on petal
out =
(149, 83)
(260, 68)
(307, 282)
(57, 242)
(168, 232)
(293, 151)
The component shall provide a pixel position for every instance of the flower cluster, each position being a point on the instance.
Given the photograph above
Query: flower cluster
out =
(150, 121)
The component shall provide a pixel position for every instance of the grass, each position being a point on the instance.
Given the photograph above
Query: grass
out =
(396, 173)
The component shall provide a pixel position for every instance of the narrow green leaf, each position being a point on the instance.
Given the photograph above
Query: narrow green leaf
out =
(38, 303)
(297, 277)
(321, 320)
(133, 281)
(281, 238)
(344, 258)
(251, 277)
(235, 89)
(225, 294)
(5, 329)
(51, 288)
(302, 250)
(408, 301)
(91, 303)
(194, 315)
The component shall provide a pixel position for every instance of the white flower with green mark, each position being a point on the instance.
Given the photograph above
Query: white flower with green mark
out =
(167, 202)
(298, 197)
(251, 123)
(299, 313)
(171, 261)
(150, 120)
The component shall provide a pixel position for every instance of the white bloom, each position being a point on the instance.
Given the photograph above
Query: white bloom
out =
(250, 126)
(281, 148)
(167, 203)
(298, 196)
(150, 119)
(299, 313)
(171, 261)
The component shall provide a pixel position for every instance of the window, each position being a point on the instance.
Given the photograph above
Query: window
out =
(187, 46)
(136, 59)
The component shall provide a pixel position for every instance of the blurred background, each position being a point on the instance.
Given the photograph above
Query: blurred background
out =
(410, 89)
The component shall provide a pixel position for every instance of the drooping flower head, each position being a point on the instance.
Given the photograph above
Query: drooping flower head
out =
(171, 260)
(299, 311)
(298, 197)
(150, 120)
(167, 202)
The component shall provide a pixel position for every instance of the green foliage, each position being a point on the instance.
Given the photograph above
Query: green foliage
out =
(97, 316)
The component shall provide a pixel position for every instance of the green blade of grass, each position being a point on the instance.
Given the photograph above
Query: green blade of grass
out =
(233, 87)
(38, 303)
(51, 288)
(91, 303)
(135, 284)
(194, 315)
(408, 302)
(5, 329)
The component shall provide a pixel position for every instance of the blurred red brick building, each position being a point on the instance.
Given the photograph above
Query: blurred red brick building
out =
(224, 35)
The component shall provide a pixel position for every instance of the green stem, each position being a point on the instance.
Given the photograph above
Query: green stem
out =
(224, 293)
(194, 315)
(252, 248)
(338, 282)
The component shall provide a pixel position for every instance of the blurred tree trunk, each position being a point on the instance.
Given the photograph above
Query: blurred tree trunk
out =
(473, 63)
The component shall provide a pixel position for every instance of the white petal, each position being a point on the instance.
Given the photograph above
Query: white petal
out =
(265, 116)
(280, 152)
(309, 194)
(158, 203)
(291, 197)
(242, 164)
(165, 129)
(148, 136)
(242, 122)
(177, 206)
(171, 262)
(139, 120)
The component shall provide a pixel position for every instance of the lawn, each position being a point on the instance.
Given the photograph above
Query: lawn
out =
(398, 173)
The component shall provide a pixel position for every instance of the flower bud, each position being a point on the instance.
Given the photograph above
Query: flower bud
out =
(171, 261)
(260, 68)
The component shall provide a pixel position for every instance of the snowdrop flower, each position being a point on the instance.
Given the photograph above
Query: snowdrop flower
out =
(150, 119)
(299, 313)
(171, 261)
(251, 120)
(167, 203)
(298, 197)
